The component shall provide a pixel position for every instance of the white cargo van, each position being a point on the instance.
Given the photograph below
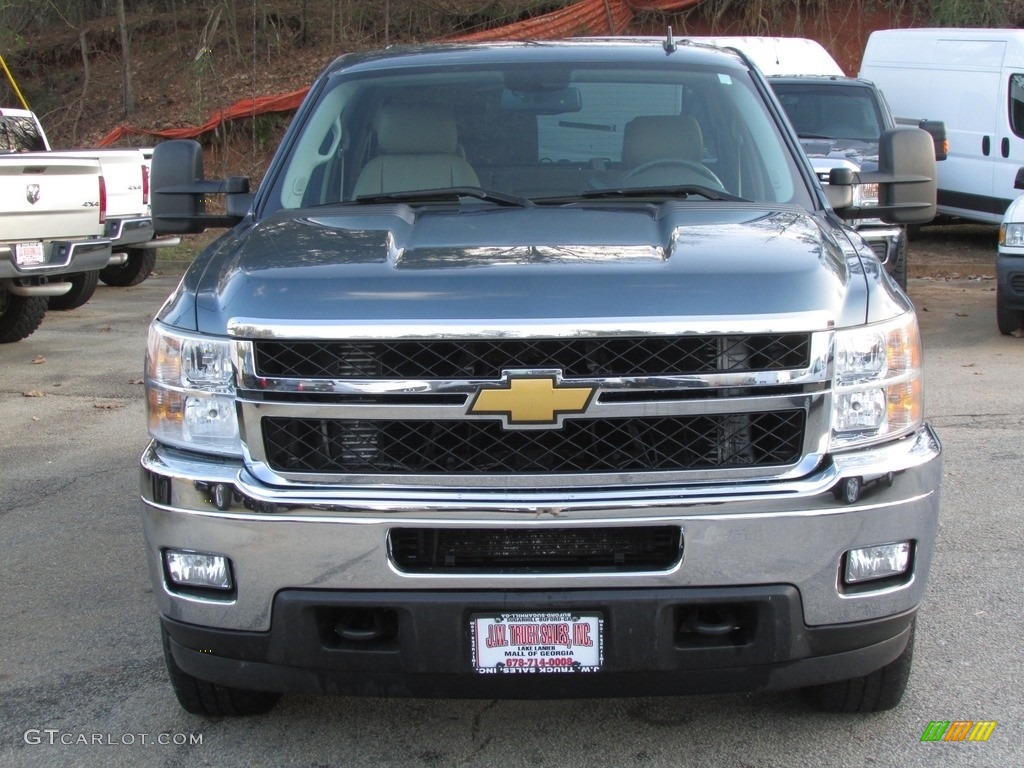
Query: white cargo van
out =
(973, 80)
(781, 55)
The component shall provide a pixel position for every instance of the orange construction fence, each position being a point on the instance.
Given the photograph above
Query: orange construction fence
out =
(587, 17)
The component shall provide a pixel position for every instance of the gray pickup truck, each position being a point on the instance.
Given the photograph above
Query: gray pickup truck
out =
(838, 121)
(538, 370)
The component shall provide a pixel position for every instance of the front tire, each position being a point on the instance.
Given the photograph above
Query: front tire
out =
(1007, 318)
(20, 316)
(875, 692)
(83, 286)
(138, 267)
(201, 697)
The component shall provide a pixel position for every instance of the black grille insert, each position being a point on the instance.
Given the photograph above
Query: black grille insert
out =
(545, 550)
(665, 443)
(576, 358)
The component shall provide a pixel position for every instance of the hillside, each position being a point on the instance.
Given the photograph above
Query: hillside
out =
(189, 59)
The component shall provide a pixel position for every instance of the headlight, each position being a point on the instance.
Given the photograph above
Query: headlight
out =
(1012, 235)
(190, 391)
(865, 194)
(877, 386)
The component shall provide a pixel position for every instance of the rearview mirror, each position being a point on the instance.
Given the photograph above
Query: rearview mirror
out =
(541, 102)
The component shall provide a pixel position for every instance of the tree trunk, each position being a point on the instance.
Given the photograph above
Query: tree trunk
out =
(126, 62)
(84, 44)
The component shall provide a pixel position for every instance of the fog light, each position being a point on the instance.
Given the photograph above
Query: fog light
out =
(198, 570)
(879, 562)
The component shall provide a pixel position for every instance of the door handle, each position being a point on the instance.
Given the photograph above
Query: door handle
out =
(1004, 146)
(986, 145)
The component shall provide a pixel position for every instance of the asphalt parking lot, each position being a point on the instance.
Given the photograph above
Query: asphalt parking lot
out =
(82, 680)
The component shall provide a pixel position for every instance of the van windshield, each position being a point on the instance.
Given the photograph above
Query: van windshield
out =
(539, 131)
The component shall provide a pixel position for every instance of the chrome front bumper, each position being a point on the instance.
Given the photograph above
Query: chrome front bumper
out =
(741, 534)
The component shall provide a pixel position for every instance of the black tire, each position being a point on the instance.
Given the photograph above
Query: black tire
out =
(201, 697)
(1007, 318)
(19, 315)
(875, 692)
(899, 268)
(83, 286)
(138, 267)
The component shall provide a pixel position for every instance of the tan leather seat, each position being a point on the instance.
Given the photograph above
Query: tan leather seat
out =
(661, 137)
(418, 146)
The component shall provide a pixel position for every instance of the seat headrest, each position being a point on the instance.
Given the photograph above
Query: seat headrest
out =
(416, 129)
(659, 137)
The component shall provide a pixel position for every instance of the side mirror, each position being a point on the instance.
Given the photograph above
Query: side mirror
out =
(937, 130)
(839, 189)
(907, 187)
(905, 177)
(179, 191)
(1018, 182)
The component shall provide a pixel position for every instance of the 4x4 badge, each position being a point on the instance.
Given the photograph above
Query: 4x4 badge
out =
(531, 400)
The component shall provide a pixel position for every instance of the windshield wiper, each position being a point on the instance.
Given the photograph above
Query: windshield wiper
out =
(447, 194)
(674, 191)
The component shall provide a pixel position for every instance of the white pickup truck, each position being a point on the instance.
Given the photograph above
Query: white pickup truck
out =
(129, 224)
(51, 231)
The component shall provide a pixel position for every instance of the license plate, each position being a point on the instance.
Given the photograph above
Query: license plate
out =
(537, 642)
(28, 254)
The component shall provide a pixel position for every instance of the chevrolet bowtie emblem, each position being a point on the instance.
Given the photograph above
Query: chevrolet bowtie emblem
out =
(527, 401)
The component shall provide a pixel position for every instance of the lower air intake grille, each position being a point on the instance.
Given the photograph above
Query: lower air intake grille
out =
(547, 550)
(653, 444)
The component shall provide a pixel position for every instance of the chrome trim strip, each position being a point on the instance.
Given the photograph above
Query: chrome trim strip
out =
(519, 328)
(188, 473)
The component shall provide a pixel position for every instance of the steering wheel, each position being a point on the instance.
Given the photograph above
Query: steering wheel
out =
(666, 164)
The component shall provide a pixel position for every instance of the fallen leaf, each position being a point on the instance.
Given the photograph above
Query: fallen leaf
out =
(108, 406)
(961, 314)
(33, 393)
(1019, 333)
(105, 329)
(39, 360)
(968, 365)
(137, 381)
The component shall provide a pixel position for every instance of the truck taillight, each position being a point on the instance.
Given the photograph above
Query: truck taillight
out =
(103, 201)
(145, 185)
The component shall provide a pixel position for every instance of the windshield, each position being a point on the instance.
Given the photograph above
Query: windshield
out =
(539, 133)
(822, 111)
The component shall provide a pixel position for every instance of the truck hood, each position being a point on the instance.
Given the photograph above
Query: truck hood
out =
(449, 266)
(862, 155)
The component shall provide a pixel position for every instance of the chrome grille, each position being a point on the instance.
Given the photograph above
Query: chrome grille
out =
(576, 357)
(665, 443)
